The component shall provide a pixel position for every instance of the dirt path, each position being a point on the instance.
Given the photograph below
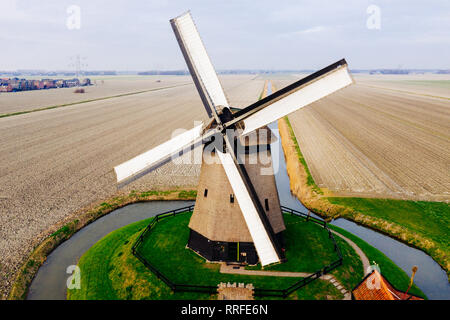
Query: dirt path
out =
(359, 252)
(232, 269)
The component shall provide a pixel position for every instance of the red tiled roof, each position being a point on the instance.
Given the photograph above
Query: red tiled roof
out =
(376, 287)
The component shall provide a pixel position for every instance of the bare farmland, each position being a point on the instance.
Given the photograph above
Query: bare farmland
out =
(378, 142)
(55, 162)
(433, 85)
(11, 102)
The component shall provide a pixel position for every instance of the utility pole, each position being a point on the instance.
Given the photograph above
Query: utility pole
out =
(78, 64)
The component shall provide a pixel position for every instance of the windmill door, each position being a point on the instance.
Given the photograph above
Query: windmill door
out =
(219, 252)
(232, 251)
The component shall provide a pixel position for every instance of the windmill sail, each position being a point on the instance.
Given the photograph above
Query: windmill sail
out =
(295, 96)
(264, 245)
(150, 160)
(199, 64)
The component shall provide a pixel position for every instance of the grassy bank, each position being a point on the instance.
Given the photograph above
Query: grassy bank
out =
(84, 217)
(110, 271)
(301, 181)
(422, 224)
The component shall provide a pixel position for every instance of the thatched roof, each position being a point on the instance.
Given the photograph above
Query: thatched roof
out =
(216, 218)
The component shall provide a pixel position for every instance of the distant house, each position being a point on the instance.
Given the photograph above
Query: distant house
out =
(59, 83)
(5, 87)
(85, 82)
(26, 84)
(16, 84)
(37, 84)
(4, 83)
(48, 83)
(72, 82)
(375, 287)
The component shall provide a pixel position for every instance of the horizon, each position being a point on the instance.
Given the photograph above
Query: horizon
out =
(136, 36)
(218, 70)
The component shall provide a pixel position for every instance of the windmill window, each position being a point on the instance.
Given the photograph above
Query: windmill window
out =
(232, 198)
(266, 202)
(205, 194)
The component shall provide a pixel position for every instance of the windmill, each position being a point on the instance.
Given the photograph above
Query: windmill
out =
(225, 135)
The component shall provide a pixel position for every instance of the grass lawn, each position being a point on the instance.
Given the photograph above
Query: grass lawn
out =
(396, 276)
(302, 257)
(109, 271)
(431, 219)
(195, 270)
(308, 247)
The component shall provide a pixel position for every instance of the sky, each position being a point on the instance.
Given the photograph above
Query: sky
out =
(238, 34)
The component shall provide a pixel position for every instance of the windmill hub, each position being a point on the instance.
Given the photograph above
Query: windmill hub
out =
(225, 115)
(237, 215)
